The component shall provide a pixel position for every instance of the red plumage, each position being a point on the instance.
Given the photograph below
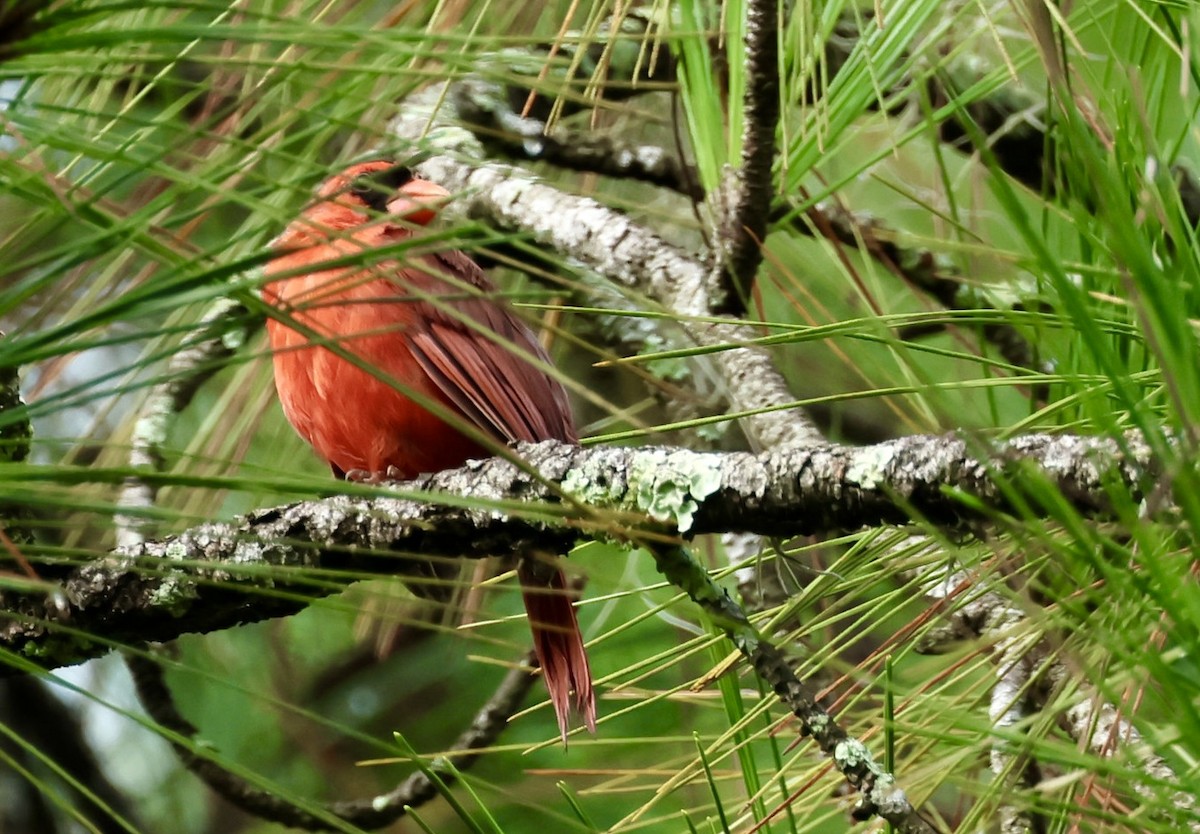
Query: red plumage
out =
(433, 352)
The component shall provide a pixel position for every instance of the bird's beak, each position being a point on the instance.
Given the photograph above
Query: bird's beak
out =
(418, 201)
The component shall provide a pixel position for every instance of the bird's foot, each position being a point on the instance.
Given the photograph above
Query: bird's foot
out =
(364, 476)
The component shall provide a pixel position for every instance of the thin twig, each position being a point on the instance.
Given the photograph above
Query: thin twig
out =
(220, 332)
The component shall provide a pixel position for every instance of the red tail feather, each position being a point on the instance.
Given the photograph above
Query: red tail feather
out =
(558, 643)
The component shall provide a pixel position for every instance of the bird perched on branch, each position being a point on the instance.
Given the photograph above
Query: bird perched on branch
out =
(391, 367)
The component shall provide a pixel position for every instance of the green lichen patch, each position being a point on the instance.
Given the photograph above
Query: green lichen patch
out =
(592, 484)
(870, 470)
(173, 594)
(669, 486)
(176, 551)
(851, 754)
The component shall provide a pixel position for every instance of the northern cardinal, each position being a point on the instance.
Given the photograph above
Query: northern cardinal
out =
(426, 336)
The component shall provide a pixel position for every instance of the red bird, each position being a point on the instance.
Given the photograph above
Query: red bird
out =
(433, 351)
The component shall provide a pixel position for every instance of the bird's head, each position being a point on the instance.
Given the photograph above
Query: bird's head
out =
(371, 189)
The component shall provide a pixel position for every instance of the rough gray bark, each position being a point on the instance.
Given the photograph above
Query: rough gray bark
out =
(610, 243)
(217, 575)
(743, 230)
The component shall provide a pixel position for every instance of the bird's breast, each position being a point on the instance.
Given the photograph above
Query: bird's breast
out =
(347, 379)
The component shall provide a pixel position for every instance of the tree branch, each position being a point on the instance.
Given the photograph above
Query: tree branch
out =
(878, 792)
(743, 231)
(222, 330)
(926, 271)
(260, 566)
(613, 245)
(1028, 676)
(370, 812)
(481, 104)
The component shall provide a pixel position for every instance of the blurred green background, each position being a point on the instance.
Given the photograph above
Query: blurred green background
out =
(150, 151)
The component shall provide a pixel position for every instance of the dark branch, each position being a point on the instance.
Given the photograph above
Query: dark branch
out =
(370, 812)
(16, 434)
(20, 20)
(930, 274)
(745, 228)
(48, 726)
(506, 130)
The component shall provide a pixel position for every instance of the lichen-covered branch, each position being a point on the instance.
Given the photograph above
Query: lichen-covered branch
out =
(216, 575)
(1105, 732)
(613, 245)
(878, 792)
(1009, 708)
(222, 330)
(1027, 675)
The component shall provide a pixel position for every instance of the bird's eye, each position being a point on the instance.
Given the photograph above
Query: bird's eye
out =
(395, 176)
(371, 192)
(377, 188)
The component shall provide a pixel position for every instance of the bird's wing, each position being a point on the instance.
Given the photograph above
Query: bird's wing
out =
(477, 352)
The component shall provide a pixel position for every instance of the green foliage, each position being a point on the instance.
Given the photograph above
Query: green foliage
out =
(150, 151)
